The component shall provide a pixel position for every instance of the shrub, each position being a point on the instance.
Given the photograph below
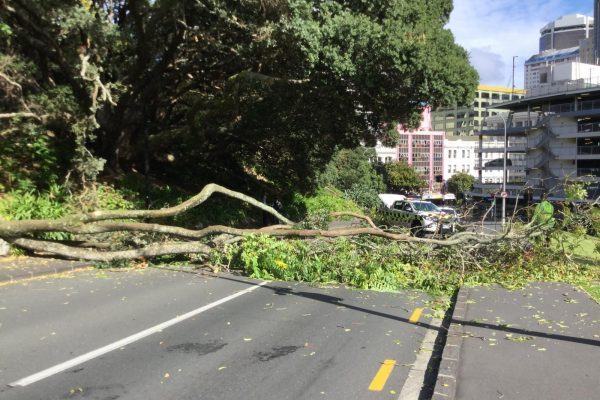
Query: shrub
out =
(320, 206)
(378, 264)
(21, 205)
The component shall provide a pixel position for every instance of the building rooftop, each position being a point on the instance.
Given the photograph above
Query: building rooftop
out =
(568, 21)
(553, 55)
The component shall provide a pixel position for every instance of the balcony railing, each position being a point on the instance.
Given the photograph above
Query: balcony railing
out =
(588, 172)
(562, 87)
(588, 150)
(497, 146)
(588, 127)
(588, 105)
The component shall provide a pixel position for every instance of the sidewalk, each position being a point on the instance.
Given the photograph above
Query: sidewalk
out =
(542, 342)
(15, 268)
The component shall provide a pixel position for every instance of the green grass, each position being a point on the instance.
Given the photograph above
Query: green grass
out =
(584, 251)
(593, 290)
(583, 247)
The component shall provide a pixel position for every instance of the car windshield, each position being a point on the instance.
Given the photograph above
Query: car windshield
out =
(425, 206)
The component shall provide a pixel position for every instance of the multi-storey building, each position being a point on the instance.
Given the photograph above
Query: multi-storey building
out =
(558, 133)
(568, 39)
(466, 120)
(460, 155)
(565, 32)
(538, 67)
(422, 148)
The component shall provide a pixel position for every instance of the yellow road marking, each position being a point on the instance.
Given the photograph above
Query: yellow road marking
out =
(415, 315)
(382, 375)
(55, 275)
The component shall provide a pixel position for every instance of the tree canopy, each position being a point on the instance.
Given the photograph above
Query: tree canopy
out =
(401, 177)
(251, 93)
(352, 172)
(460, 183)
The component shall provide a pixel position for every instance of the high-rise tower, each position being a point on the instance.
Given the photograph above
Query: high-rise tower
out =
(566, 32)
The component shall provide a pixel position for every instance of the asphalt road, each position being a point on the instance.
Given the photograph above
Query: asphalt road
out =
(167, 335)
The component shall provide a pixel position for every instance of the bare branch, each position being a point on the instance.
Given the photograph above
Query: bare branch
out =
(153, 250)
(75, 223)
(20, 115)
(355, 215)
(251, 75)
(11, 82)
(200, 198)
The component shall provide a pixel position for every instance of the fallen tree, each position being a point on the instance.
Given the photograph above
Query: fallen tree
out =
(203, 241)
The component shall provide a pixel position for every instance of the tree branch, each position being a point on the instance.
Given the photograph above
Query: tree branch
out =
(20, 115)
(76, 222)
(355, 215)
(251, 75)
(153, 250)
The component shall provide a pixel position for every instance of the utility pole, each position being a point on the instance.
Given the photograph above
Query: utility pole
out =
(513, 78)
(504, 169)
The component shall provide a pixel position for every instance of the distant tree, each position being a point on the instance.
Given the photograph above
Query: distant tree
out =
(401, 177)
(460, 183)
(352, 172)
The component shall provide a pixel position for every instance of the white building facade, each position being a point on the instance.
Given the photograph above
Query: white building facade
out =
(460, 156)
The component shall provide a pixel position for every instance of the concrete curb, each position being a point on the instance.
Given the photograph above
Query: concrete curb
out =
(28, 273)
(445, 386)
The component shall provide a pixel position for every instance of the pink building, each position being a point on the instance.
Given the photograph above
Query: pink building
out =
(423, 148)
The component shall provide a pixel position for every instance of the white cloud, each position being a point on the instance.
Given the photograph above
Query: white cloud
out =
(494, 31)
(490, 66)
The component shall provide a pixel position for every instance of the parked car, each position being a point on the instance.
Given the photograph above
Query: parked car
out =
(420, 216)
(455, 215)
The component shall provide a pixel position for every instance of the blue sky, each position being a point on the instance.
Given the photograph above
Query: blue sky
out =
(493, 31)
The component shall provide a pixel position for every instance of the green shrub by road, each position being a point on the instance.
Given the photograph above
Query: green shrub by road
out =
(377, 264)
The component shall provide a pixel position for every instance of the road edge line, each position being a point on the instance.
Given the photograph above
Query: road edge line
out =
(413, 385)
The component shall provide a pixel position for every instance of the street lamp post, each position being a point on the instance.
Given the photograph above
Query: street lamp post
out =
(504, 170)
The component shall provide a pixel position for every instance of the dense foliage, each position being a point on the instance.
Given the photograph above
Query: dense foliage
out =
(252, 94)
(353, 173)
(400, 177)
(460, 183)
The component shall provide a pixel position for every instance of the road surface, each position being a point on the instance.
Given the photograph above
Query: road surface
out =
(169, 335)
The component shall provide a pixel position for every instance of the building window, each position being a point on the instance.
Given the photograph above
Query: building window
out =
(463, 153)
(449, 153)
(495, 96)
(543, 77)
(454, 153)
(468, 153)
(449, 169)
(388, 159)
(485, 95)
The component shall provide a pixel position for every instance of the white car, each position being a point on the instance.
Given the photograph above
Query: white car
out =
(420, 216)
